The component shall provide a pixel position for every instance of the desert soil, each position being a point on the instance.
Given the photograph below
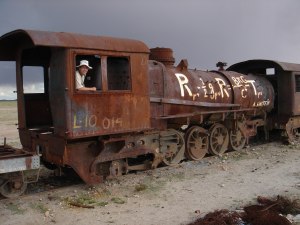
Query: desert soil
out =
(167, 195)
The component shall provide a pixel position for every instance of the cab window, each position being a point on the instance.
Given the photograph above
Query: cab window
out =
(118, 73)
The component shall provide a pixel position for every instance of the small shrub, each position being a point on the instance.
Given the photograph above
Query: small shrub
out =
(117, 200)
(140, 187)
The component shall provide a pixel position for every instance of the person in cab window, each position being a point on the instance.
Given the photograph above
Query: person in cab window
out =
(80, 74)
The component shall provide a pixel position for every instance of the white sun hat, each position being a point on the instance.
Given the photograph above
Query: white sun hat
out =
(84, 63)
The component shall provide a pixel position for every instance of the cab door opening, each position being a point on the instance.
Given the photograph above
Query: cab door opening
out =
(35, 88)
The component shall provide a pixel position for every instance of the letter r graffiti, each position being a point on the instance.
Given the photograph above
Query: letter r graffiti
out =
(183, 81)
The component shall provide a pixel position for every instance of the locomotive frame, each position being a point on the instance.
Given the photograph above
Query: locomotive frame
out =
(145, 112)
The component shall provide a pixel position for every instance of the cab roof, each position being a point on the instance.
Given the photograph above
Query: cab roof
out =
(11, 42)
(248, 65)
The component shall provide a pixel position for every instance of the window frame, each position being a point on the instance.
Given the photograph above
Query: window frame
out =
(103, 56)
(129, 74)
(297, 87)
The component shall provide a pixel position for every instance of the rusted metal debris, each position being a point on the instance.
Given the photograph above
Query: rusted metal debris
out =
(268, 212)
(281, 204)
(219, 217)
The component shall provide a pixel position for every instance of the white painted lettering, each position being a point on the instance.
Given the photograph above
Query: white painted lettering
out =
(183, 81)
(222, 86)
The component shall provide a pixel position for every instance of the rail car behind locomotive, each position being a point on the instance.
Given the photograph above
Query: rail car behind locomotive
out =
(17, 169)
(285, 79)
(145, 112)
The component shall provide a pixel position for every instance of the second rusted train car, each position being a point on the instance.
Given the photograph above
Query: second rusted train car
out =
(145, 111)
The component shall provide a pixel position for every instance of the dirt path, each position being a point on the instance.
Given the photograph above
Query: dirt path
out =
(169, 195)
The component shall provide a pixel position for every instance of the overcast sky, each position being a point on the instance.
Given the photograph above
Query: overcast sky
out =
(202, 31)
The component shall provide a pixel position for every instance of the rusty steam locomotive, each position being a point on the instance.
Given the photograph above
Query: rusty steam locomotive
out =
(146, 110)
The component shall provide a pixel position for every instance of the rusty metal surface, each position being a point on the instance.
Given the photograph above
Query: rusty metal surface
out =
(181, 90)
(163, 55)
(120, 113)
(11, 42)
(7, 151)
(251, 91)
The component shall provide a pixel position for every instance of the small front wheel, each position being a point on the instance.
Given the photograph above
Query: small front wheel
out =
(13, 188)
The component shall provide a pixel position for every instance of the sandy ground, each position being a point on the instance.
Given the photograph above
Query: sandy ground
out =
(168, 195)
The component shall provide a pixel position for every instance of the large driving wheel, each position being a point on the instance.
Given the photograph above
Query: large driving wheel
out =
(172, 146)
(218, 140)
(237, 139)
(196, 143)
(12, 188)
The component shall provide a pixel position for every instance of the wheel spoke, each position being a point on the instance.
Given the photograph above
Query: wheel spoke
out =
(219, 139)
(196, 143)
(237, 139)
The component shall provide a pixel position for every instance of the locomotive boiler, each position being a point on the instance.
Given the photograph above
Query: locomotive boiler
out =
(146, 110)
(222, 107)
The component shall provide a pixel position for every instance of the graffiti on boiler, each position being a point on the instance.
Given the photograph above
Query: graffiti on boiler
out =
(222, 89)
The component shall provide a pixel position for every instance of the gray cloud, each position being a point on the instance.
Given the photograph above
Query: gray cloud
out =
(203, 31)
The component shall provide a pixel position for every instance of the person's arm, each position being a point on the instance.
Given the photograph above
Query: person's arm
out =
(86, 89)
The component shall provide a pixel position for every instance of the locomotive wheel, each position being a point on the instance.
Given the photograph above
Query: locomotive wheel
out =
(237, 139)
(172, 146)
(218, 140)
(196, 143)
(12, 189)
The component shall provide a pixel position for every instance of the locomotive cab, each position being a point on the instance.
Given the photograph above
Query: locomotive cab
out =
(67, 125)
